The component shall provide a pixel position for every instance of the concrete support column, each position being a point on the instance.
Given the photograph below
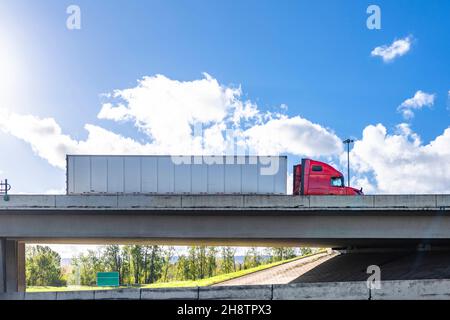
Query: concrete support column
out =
(12, 265)
(21, 277)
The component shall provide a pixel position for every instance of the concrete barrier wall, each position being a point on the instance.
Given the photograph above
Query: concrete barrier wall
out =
(390, 290)
(170, 293)
(205, 201)
(75, 295)
(148, 201)
(40, 296)
(86, 201)
(404, 201)
(28, 201)
(412, 290)
(261, 292)
(131, 201)
(322, 291)
(120, 294)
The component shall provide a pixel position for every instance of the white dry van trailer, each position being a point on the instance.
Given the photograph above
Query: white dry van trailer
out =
(176, 174)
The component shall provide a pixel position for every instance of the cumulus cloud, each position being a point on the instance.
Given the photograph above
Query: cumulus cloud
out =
(294, 135)
(400, 162)
(189, 117)
(421, 99)
(46, 139)
(199, 116)
(43, 134)
(166, 109)
(397, 48)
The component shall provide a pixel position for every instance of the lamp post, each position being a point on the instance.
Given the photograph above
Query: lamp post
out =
(347, 142)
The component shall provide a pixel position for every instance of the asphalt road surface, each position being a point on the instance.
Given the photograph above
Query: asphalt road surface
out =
(280, 274)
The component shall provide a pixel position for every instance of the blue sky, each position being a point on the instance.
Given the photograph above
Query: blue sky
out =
(313, 56)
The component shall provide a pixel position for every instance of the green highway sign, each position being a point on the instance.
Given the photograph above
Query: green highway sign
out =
(108, 279)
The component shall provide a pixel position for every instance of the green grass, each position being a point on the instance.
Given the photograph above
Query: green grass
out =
(68, 288)
(173, 284)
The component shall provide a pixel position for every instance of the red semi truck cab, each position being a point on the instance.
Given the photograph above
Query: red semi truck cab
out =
(313, 177)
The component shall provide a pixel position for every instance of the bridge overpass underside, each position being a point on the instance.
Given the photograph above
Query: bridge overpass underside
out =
(331, 228)
(237, 220)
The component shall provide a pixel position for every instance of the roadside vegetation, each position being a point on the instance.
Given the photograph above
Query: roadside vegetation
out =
(149, 266)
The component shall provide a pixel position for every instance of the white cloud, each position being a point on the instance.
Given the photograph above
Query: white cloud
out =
(117, 113)
(400, 162)
(43, 134)
(168, 112)
(364, 183)
(421, 99)
(293, 135)
(397, 49)
(166, 109)
(47, 140)
(381, 162)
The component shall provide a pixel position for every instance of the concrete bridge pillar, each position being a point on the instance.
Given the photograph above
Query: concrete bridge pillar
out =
(12, 265)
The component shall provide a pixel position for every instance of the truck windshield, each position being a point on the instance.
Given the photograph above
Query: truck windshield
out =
(337, 181)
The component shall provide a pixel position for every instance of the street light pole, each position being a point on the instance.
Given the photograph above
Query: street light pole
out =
(347, 142)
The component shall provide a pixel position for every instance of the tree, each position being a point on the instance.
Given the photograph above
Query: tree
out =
(202, 262)
(228, 263)
(182, 268)
(137, 262)
(112, 259)
(43, 267)
(168, 254)
(252, 258)
(86, 267)
(125, 253)
(154, 264)
(211, 260)
(280, 253)
(305, 251)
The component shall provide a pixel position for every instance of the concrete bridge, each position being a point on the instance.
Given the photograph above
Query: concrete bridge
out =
(250, 220)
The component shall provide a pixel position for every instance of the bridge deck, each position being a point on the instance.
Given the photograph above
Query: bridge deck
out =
(329, 221)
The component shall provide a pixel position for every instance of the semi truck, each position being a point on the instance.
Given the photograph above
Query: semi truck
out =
(313, 177)
(151, 174)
